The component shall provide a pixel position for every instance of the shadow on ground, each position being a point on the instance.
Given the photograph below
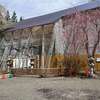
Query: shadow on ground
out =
(69, 94)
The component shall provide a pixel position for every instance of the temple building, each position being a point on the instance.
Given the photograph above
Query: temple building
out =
(39, 44)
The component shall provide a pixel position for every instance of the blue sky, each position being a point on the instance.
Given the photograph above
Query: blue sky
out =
(32, 8)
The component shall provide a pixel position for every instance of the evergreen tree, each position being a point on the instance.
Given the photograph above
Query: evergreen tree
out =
(21, 18)
(14, 17)
(8, 16)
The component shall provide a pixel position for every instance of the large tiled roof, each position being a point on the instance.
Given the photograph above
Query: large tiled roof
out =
(53, 17)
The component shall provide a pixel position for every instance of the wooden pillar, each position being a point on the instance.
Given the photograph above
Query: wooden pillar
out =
(43, 50)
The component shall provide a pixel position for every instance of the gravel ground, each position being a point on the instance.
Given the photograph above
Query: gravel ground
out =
(59, 88)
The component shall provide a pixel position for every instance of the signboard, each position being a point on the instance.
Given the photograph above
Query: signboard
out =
(98, 60)
(21, 63)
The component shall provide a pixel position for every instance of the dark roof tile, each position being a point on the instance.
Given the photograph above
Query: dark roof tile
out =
(51, 18)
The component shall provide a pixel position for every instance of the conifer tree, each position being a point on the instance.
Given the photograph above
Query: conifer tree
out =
(21, 18)
(14, 17)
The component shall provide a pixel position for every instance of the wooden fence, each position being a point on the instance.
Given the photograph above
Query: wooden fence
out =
(23, 67)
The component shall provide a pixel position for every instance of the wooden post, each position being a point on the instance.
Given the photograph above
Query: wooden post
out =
(43, 51)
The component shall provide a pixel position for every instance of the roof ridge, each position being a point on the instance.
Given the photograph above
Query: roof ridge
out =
(54, 16)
